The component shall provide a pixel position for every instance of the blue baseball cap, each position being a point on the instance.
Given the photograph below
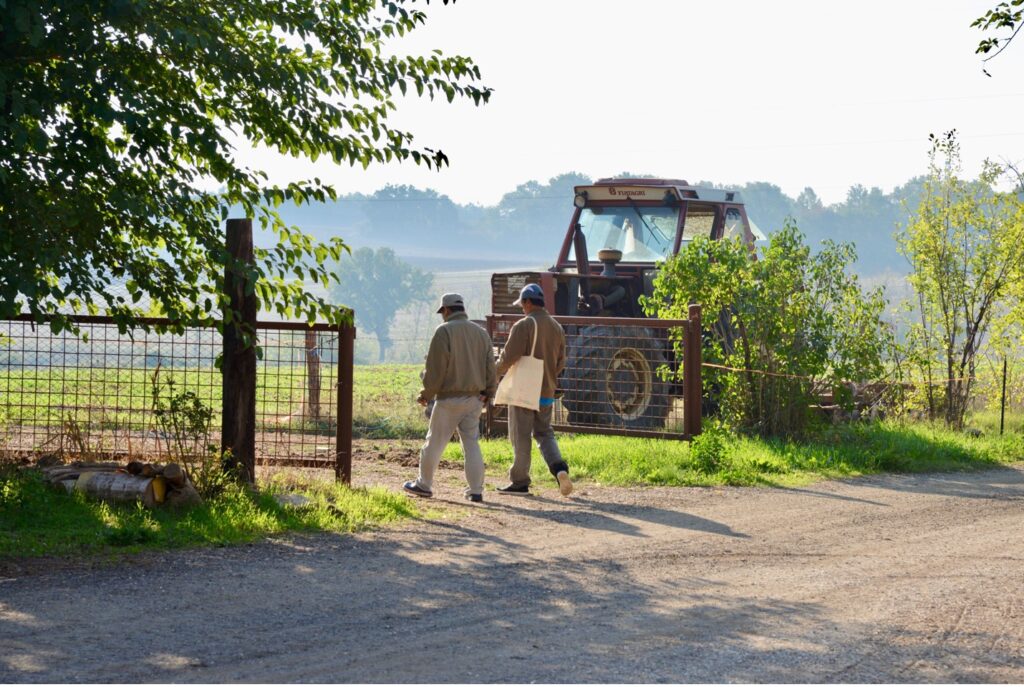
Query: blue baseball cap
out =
(529, 291)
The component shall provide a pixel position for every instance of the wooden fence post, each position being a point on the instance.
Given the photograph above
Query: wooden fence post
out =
(692, 387)
(343, 436)
(238, 426)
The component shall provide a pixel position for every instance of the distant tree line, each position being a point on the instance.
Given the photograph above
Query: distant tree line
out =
(529, 222)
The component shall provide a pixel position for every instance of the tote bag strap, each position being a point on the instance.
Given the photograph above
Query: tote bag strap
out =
(533, 349)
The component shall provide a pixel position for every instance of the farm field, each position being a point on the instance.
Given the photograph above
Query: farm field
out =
(103, 399)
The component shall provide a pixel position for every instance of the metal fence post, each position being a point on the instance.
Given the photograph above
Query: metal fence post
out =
(343, 436)
(692, 388)
(313, 375)
(238, 424)
(489, 407)
(1002, 401)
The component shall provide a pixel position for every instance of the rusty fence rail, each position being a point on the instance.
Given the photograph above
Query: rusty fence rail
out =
(622, 376)
(65, 395)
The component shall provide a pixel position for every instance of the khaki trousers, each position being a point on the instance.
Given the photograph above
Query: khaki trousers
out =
(522, 424)
(450, 415)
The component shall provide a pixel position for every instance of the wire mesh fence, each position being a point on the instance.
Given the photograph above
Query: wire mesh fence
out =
(297, 397)
(622, 376)
(99, 395)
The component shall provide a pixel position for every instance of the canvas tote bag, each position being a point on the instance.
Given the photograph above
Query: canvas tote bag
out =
(521, 384)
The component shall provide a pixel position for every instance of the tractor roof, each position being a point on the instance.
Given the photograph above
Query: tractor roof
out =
(655, 189)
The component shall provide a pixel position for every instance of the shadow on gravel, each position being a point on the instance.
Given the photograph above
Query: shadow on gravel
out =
(828, 495)
(999, 484)
(441, 607)
(449, 603)
(380, 611)
(598, 515)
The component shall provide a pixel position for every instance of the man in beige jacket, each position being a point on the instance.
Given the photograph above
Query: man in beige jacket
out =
(522, 422)
(459, 377)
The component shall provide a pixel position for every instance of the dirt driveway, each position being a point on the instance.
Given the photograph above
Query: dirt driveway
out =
(890, 579)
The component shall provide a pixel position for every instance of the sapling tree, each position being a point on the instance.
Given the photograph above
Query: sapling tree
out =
(965, 246)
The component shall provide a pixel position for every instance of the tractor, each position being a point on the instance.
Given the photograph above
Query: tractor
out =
(620, 230)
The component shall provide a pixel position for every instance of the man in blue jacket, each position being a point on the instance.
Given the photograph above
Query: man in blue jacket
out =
(523, 422)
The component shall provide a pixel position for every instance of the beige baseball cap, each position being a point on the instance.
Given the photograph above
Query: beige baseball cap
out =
(450, 300)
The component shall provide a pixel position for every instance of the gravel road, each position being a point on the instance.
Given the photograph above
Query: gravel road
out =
(883, 579)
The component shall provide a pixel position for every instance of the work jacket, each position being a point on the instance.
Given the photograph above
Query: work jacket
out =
(550, 347)
(460, 361)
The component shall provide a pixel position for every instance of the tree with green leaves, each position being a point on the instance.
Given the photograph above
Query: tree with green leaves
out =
(1007, 15)
(965, 246)
(118, 117)
(794, 323)
(377, 284)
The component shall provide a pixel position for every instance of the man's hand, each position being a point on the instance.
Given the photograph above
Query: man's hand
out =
(422, 401)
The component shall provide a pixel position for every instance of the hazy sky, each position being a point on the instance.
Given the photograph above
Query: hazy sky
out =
(823, 94)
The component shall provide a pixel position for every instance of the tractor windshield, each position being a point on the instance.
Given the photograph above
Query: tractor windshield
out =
(643, 234)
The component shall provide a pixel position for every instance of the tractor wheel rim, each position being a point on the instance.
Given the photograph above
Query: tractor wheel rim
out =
(628, 382)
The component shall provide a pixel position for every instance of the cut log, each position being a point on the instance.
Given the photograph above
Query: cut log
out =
(119, 487)
(83, 467)
(159, 486)
(60, 473)
(55, 476)
(135, 467)
(174, 475)
(49, 460)
(148, 470)
(183, 498)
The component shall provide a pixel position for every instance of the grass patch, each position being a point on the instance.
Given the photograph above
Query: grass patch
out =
(384, 402)
(843, 451)
(36, 520)
(988, 421)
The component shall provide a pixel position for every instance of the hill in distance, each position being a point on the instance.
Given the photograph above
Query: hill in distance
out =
(528, 224)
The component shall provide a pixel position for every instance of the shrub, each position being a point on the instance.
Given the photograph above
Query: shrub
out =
(184, 422)
(708, 451)
(794, 322)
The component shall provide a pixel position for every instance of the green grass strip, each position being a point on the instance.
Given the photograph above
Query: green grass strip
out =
(844, 451)
(37, 520)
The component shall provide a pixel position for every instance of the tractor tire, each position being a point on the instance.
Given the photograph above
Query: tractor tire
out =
(611, 378)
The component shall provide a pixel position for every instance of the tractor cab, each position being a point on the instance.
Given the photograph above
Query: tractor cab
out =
(620, 230)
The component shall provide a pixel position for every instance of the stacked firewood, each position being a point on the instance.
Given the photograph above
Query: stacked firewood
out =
(149, 483)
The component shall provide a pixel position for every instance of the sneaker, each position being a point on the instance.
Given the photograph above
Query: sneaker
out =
(514, 490)
(564, 483)
(413, 487)
(475, 498)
